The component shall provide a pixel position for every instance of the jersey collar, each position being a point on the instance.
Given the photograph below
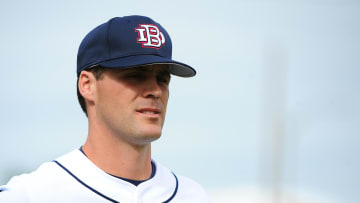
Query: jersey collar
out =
(160, 188)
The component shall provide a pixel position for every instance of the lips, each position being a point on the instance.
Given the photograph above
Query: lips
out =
(151, 112)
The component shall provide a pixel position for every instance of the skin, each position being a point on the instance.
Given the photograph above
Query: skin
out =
(126, 112)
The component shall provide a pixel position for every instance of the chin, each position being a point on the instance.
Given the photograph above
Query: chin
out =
(152, 135)
(145, 139)
(146, 136)
(151, 130)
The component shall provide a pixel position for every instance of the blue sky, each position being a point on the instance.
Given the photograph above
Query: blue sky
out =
(276, 98)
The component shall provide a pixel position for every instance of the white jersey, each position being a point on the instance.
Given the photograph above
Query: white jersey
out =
(74, 178)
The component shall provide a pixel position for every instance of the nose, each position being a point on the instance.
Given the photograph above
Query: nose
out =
(152, 88)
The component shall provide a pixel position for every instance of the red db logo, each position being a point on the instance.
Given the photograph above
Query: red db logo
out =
(150, 36)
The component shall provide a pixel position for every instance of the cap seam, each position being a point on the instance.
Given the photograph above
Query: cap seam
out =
(97, 62)
(108, 36)
(129, 56)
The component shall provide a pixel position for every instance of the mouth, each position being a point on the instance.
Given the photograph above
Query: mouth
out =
(149, 112)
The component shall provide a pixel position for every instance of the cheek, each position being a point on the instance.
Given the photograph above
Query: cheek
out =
(115, 99)
(165, 97)
(108, 96)
(105, 94)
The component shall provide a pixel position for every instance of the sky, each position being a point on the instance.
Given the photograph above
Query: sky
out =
(272, 115)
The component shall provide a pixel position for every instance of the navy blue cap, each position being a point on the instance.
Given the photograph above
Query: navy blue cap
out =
(130, 41)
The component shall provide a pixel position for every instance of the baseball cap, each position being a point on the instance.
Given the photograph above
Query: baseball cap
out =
(130, 41)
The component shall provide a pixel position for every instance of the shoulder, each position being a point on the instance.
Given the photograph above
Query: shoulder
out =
(191, 191)
(26, 187)
(17, 189)
(187, 190)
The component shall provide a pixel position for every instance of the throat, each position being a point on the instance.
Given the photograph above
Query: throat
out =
(122, 162)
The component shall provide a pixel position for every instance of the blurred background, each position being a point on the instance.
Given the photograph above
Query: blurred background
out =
(273, 115)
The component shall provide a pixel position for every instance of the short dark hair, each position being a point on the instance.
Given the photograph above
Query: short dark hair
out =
(98, 73)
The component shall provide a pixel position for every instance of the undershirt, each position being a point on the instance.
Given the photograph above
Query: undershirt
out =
(134, 182)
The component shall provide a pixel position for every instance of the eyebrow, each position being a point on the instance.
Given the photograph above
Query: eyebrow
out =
(142, 68)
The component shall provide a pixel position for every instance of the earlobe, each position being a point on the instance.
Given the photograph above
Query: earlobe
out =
(86, 85)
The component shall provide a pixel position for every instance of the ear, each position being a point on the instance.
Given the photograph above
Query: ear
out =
(87, 86)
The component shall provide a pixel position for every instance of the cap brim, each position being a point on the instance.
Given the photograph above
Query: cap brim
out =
(176, 68)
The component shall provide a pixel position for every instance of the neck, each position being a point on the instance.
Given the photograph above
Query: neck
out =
(118, 157)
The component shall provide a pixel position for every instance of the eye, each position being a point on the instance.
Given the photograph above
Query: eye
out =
(163, 78)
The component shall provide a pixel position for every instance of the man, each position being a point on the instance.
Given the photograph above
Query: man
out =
(123, 70)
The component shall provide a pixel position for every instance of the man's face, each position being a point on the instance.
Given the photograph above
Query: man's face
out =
(131, 103)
